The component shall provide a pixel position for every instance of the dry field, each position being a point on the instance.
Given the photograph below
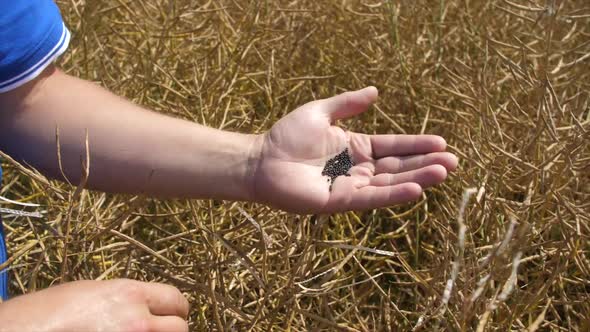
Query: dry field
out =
(502, 245)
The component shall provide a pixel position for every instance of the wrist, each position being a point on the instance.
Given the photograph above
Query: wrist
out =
(253, 159)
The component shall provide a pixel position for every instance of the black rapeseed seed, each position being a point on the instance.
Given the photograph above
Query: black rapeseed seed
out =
(338, 166)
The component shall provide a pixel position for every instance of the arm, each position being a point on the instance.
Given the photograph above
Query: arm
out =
(132, 150)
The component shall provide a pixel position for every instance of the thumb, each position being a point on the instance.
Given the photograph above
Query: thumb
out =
(349, 103)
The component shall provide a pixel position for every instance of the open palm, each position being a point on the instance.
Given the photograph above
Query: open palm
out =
(389, 169)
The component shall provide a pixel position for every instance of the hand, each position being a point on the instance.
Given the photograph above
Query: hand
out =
(389, 169)
(116, 305)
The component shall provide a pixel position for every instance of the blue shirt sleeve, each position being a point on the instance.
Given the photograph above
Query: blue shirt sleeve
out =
(32, 36)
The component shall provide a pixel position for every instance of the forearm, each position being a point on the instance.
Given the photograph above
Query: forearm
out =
(132, 150)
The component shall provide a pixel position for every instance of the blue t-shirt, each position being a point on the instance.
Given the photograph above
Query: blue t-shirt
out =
(32, 36)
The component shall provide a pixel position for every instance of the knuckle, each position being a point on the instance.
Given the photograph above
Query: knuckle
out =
(166, 288)
(131, 289)
(173, 296)
(179, 300)
(184, 305)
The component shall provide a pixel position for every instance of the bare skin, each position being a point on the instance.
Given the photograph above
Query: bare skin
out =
(116, 305)
(389, 169)
(133, 150)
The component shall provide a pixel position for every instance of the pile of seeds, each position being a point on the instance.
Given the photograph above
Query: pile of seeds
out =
(338, 166)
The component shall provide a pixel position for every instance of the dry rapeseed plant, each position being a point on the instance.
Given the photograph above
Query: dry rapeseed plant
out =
(506, 82)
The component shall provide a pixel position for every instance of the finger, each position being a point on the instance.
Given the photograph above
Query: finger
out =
(404, 164)
(371, 197)
(349, 103)
(166, 300)
(348, 194)
(403, 145)
(425, 177)
(168, 324)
